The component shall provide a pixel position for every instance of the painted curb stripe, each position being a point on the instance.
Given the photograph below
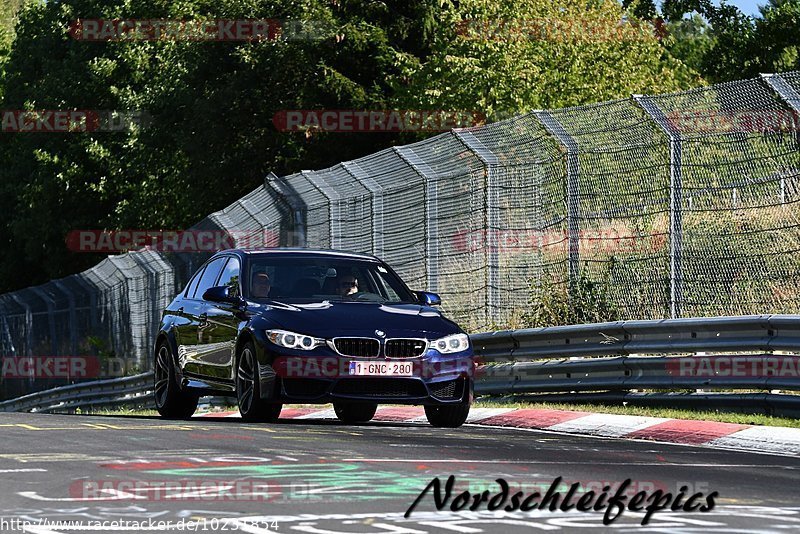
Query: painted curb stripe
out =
(477, 415)
(768, 439)
(405, 413)
(533, 418)
(686, 431)
(776, 440)
(311, 414)
(607, 425)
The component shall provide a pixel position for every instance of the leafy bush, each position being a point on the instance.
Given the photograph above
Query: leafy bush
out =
(555, 304)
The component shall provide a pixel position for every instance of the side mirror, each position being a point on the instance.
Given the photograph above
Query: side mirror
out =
(222, 294)
(429, 299)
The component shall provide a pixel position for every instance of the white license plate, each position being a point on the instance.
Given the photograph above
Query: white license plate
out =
(381, 368)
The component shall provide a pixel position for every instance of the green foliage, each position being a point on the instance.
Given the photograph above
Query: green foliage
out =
(734, 45)
(8, 14)
(690, 40)
(210, 138)
(555, 304)
(511, 56)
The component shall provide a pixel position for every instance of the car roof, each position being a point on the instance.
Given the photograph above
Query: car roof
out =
(298, 251)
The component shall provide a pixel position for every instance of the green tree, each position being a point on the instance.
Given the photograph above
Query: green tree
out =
(737, 45)
(690, 40)
(512, 56)
(211, 139)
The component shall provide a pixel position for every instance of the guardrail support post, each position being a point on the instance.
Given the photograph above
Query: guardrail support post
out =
(408, 155)
(491, 164)
(334, 211)
(558, 131)
(675, 202)
(375, 189)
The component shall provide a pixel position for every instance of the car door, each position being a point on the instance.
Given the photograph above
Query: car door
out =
(194, 313)
(218, 334)
(183, 326)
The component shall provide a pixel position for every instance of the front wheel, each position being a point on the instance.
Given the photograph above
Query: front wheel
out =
(171, 402)
(355, 412)
(448, 416)
(248, 390)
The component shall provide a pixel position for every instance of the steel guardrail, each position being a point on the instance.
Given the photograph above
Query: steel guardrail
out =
(579, 358)
(111, 392)
(613, 356)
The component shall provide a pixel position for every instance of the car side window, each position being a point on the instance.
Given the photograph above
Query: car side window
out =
(209, 277)
(230, 276)
(191, 287)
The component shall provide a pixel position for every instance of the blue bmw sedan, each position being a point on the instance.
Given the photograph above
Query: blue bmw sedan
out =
(310, 326)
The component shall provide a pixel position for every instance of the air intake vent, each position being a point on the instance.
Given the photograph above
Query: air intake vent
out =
(405, 348)
(360, 347)
(380, 387)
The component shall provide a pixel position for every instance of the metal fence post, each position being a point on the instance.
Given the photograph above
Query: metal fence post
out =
(296, 206)
(787, 93)
(490, 163)
(375, 189)
(675, 202)
(73, 318)
(334, 206)
(555, 129)
(51, 318)
(431, 212)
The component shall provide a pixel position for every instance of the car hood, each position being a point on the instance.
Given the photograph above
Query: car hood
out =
(331, 319)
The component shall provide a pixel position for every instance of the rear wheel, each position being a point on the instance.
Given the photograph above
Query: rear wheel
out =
(171, 402)
(248, 390)
(448, 416)
(355, 412)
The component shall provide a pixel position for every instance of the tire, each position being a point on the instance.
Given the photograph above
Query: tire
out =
(252, 407)
(447, 416)
(355, 412)
(171, 402)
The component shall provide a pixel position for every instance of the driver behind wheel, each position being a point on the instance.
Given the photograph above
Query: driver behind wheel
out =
(260, 286)
(346, 285)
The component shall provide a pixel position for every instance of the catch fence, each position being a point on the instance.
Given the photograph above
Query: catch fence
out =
(679, 205)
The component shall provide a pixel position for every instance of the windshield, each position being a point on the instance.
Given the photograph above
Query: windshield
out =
(315, 279)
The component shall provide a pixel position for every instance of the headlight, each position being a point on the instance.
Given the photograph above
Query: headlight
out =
(451, 344)
(291, 340)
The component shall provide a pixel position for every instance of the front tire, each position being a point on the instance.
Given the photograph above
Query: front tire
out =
(171, 402)
(355, 412)
(448, 416)
(248, 390)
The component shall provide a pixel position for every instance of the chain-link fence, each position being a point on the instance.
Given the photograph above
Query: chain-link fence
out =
(682, 205)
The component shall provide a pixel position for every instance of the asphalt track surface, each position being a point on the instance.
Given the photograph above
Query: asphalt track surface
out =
(325, 477)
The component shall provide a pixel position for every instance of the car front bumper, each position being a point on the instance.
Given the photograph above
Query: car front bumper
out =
(433, 381)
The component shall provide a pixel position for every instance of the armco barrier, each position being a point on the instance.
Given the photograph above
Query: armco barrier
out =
(735, 353)
(111, 393)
